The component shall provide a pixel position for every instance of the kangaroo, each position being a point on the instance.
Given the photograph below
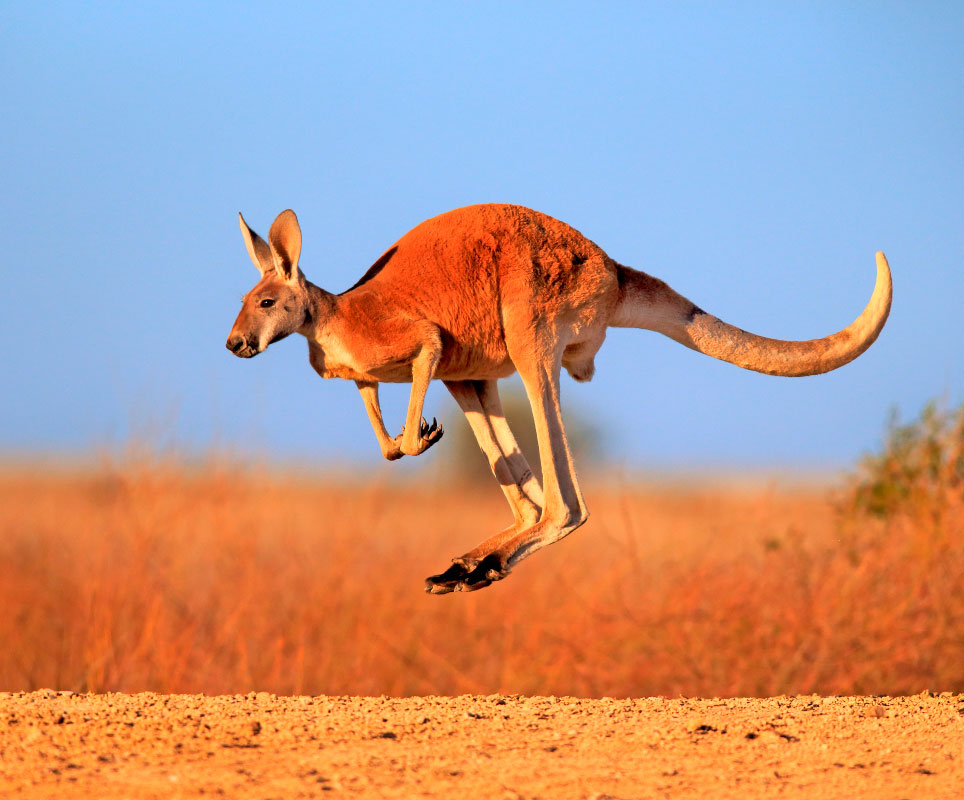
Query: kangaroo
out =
(475, 294)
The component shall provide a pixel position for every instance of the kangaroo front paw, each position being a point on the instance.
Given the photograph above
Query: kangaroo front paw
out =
(418, 444)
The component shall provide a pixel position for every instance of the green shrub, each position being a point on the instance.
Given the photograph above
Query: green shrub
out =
(920, 468)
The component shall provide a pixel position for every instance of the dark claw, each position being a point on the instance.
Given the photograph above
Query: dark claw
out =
(431, 433)
(467, 575)
(445, 582)
(489, 569)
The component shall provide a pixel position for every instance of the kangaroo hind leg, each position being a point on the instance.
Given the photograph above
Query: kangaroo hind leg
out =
(563, 510)
(480, 402)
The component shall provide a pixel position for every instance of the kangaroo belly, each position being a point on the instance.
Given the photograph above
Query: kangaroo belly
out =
(461, 362)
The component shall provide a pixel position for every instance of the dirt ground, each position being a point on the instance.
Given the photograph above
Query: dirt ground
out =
(63, 745)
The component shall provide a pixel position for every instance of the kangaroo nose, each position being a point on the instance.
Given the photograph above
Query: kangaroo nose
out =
(235, 343)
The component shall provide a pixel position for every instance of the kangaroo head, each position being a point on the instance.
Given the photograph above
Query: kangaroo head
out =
(278, 305)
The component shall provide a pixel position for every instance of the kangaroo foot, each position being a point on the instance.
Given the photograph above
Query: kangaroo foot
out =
(427, 436)
(467, 575)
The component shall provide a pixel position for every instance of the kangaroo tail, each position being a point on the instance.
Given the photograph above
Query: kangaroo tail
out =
(647, 302)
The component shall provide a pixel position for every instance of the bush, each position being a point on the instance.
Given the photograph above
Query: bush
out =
(920, 468)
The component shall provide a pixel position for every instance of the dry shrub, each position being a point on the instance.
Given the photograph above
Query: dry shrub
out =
(147, 575)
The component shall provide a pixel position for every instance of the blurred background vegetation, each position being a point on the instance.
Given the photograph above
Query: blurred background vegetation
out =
(142, 573)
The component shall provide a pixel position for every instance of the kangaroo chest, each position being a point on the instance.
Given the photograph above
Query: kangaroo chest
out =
(334, 360)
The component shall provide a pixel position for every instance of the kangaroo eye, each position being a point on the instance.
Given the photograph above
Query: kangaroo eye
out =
(267, 303)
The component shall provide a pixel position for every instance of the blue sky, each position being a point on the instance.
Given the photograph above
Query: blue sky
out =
(752, 155)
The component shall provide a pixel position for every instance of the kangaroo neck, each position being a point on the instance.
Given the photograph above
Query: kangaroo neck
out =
(319, 309)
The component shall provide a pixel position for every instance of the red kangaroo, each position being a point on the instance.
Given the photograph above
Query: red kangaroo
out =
(472, 296)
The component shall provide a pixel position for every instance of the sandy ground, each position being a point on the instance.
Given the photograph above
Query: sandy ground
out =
(262, 746)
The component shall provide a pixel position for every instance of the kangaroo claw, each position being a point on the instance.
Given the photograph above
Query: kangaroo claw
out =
(467, 575)
(427, 436)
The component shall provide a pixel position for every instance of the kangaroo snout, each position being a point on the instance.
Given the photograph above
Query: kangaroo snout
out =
(239, 345)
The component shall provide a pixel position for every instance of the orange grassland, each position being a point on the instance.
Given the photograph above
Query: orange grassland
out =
(148, 575)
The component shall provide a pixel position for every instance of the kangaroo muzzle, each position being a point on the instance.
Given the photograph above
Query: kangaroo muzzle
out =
(239, 345)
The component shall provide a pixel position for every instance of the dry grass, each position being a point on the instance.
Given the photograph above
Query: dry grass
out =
(151, 576)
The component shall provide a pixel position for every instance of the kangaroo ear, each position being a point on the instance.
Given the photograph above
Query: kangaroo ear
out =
(257, 247)
(285, 238)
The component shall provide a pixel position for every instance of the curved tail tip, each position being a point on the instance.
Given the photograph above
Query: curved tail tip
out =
(885, 284)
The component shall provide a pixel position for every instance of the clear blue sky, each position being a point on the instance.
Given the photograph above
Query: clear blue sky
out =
(753, 155)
